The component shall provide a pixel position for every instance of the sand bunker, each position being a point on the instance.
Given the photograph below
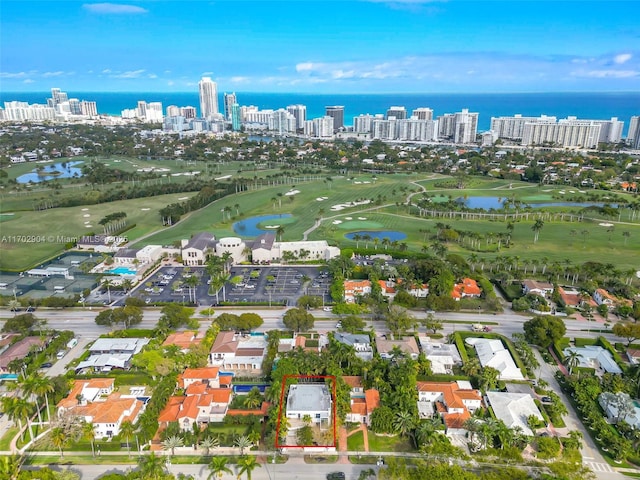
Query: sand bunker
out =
(342, 206)
(183, 198)
(85, 209)
(362, 218)
(606, 224)
(337, 222)
(89, 226)
(348, 218)
(86, 215)
(292, 192)
(319, 199)
(145, 209)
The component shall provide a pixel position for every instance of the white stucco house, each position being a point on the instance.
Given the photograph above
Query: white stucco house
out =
(313, 399)
(492, 353)
(514, 409)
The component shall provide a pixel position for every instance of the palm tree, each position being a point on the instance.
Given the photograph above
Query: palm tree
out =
(243, 442)
(89, 432)
(403, 423)
(107, 283)
(208, 443)
(59, 439)
(172, 442)
(247, 465)
(572, 360)
(10, 466)
(357, 237)
(151, 466)
(280, 231)
(22, 410)
(537, 226)
(42, 388)
(126, 431)
(427, 431)
(254, 398)
(192, 282)
(14, 306)
(218, 467)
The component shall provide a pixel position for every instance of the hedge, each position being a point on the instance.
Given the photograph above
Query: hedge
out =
(462, 349)
(442, 378)
(604, 343)
(558, 346)
(583, 342)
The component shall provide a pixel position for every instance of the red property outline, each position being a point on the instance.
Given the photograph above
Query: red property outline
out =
(333, 408)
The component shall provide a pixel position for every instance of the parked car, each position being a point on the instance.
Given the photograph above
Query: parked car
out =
(46, 365)
(546, 400)
(335, 476)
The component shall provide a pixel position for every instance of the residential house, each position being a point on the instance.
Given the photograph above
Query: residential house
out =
(235, 352)
(537, 288)
(633, 354)
(184, 340)
(443, 356)
(467, 287)
(20, 350)
(620, 406)
(360, 342)
(363, 402)
(109, 353)
(355, 288)
(596, 357)
(195, 250)
(514, 409)
(312, 399)
(453, 401)
(407, 345)
(390, 288)
(602, 297)
(492, 353)
(95, 402)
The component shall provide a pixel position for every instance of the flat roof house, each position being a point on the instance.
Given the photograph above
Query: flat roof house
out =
(443, 356)
(514, 409)
(492, 353)
(360, 343)
(311, 399)
(594, 356)
(407, 345)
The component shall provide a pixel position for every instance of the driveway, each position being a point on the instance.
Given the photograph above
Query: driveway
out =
(591, 456)
(60, 367)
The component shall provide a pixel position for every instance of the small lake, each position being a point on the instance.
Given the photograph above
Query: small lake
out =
(56, 170)
(249, 226)
(390, 234)
(496, 203)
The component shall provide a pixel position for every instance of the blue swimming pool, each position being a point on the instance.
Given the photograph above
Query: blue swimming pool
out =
(122, 271)
(8, 376)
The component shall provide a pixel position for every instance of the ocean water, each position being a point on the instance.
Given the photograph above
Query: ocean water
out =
(592, 106)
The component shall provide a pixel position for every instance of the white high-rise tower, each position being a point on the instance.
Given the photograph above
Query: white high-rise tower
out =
(208, 97)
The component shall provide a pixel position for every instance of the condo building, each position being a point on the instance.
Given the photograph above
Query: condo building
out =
(208, 90)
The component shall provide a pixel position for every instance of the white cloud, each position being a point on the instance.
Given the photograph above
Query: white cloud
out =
(170, 83)
(106, 70)
(239, 79)
(622, 58)
(304, 67)
(207, 74)
(612, 73)
(167, 71)
(28, 80)
(152, 75)
(13, 74)
(113, 8)
(129, 74)
(53, 74)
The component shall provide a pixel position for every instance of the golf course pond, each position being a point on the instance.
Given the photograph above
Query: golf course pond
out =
(56, 170)
(255, 226)
(390, 234)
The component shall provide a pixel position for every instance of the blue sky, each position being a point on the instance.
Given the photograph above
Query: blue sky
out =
(367, 46)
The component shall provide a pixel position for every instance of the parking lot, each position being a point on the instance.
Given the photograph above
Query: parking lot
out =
(247, 284)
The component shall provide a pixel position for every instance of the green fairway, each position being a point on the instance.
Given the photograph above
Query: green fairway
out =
(359, 225)
(33, 237)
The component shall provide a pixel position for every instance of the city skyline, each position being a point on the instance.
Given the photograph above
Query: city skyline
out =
(363, 46)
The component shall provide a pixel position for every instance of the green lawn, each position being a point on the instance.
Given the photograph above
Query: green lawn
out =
(45, 227)
(355, 442)
(5, 441)
(382, 443)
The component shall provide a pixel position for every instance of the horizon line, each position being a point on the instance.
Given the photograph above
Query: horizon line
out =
(195, 92)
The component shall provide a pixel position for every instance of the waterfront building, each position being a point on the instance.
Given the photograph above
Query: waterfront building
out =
(414, 129)
(364, 123)
(633, 137)
(20, 111)
(282, 122)
(568, 133)
(512, 128)
(57, 97)
(188, 112)
(235, 117)
(229, 100)
(208, 90)
(173, 111)
(399, 113)
(88, 108)
(319, 127)
(300, 113)
(337, 113)
(384, 129)
(423, 113)
(466, 127)
(610, 130)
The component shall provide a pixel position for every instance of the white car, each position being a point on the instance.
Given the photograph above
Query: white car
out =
(327, 309)
(339, 325)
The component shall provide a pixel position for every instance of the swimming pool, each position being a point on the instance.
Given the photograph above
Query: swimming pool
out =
(122, 271)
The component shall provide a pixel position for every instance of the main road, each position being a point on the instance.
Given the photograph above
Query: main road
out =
(82, 321)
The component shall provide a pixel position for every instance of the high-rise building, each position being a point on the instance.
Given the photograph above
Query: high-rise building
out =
(319, 127)
(236, 119)
(282, 122)
(188, 112)
(58, 96)
(229, 100)
(610, 130)
(466, 127)
(337, 113)
(399, 113)
(208, 97)
(568, 132)
(173, 111)
(423, 113)
(633, 137)
(89, 108)
(513, 127)
(300, 114)
(364, 123)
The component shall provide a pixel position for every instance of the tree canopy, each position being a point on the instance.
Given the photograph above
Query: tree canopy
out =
(298, 320)
(543, 330)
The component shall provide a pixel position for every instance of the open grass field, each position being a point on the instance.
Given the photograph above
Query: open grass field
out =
(305, 206)
(32, 237)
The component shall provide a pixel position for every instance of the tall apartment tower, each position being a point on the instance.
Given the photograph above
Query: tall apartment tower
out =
(58, 96)
(466, 127)
(423, 113)
(229, 100)
(337, 113)
(399, 113)
(235, 117)
(633, 137)
(208, 97)
(300, 113)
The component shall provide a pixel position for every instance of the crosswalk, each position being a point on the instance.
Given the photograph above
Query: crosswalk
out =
(599, 467)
